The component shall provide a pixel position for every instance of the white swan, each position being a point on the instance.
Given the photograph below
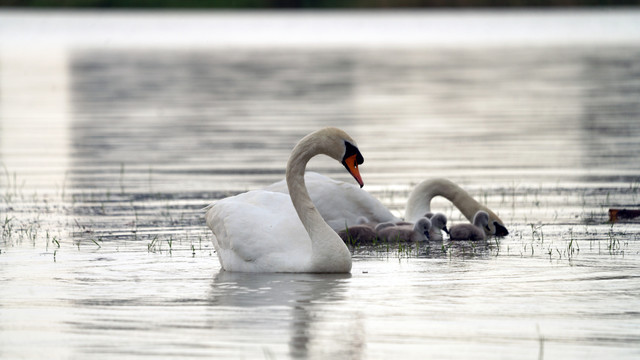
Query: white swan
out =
(419, 203)
(413, 232)
(342, 204)
(471, 231)
(259, 231)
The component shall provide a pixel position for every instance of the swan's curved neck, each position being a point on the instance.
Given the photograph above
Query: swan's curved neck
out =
(329, 253)
(419, 201)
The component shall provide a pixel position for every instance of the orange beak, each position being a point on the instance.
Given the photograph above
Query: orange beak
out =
(351, 164)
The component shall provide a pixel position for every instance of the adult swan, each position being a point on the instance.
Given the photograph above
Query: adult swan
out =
(258, 231)
(343, 205)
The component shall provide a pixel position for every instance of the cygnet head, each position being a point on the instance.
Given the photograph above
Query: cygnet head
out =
(481, 220)
(422, 226)
(362, 220)
(439, 221)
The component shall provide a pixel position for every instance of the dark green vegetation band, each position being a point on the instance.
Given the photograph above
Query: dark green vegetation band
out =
(293, 4)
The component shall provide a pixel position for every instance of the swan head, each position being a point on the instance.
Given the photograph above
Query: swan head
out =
(496, 226)
(439, 221)
(500, 230)
(481, 220)
(329, 141)
(422, 226)
(351, 158)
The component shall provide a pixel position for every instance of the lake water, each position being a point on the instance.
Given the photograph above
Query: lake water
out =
(116, 129)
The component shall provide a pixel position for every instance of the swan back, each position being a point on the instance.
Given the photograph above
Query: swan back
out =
(341, 204)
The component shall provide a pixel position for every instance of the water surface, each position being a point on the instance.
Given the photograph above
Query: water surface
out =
(110, 152)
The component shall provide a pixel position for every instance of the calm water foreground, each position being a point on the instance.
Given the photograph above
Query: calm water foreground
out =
(112, 141)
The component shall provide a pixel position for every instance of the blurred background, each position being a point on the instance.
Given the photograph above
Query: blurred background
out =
(121, 120)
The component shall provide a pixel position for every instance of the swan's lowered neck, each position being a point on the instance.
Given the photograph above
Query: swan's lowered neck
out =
(419, 203)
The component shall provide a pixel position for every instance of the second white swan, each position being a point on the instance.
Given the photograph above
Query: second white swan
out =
(342, 204)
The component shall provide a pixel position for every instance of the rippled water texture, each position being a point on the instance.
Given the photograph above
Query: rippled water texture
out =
(111, 148)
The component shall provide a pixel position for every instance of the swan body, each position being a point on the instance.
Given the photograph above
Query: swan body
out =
(419, 203)
(267, 231)
(475, 231)
(341, 204)
(415, 233)
(245, 244)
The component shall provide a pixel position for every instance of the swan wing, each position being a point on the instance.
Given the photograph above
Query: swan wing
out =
(339, 202)
(258, 231)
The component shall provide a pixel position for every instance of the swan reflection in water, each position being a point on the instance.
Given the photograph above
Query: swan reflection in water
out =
(306, 311)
